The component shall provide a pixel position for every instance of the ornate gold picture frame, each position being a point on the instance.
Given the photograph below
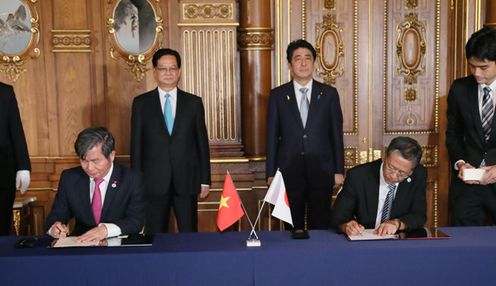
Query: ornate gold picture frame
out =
(135, 32)
(19, 35)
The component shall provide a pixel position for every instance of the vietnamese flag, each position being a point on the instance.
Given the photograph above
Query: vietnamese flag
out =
(230, 210)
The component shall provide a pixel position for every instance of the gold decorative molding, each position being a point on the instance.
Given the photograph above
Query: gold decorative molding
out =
(304, 19)
(410, 48)
(208, 11)
(71, 41)
(430, 155)
(411, 4)
(255, 38)
(410, 94)
(12, 62)
(136, 58)
(350, 157)
(330, 4)
(329, 47)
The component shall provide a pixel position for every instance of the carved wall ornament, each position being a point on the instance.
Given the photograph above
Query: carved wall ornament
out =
(411, 4)
(71, 41)
(410, 48)
(135, 32)
(350, 157)
(430, 156)
(208, 11)
(330, 4)
(19, 36)
(410, 94)
(255, 38)
(330, 49)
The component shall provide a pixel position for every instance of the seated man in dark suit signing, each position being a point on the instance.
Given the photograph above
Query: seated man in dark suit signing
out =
(105, 199)
(384, 195)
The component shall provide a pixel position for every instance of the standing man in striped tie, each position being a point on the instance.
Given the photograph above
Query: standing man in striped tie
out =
(471, 133)
(386, 195)
(169, 145)
(305, 139)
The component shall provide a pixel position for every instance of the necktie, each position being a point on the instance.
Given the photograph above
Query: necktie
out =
(386, 210)
(168, 113)
(304, 105)
(96, 203)
(487, 112)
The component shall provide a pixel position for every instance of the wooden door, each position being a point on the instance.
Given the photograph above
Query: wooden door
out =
(388, 61)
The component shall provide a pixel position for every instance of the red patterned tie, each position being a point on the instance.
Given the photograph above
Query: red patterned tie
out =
(96, 203)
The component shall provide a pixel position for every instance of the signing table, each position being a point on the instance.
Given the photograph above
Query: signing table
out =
(467, 258)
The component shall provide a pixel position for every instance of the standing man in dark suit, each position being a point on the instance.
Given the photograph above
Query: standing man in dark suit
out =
(471, 132)
(169, 145)
(384, 195)
(105, 199)
(14, 158)
(305, 139)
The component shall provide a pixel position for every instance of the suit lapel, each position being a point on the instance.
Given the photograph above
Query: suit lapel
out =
(181, 105)
(372, 193)
(83, 191)
(112, 189)
(156, 109)
(473, 99)
(314, 103)
(292, 103)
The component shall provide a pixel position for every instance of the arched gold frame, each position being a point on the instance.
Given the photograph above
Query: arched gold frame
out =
(13, 64)
(136, 63)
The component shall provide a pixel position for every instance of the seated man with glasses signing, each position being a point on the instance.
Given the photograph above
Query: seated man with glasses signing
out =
(386, 195)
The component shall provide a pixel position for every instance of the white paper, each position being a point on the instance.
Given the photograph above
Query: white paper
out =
(368, 234)
(71, 241)
(473, 174)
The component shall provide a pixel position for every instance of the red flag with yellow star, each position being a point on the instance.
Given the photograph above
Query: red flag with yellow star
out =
(230, 210)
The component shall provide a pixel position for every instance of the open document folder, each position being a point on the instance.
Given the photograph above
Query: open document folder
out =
(123, 240)
(368, 234)
(421, 233)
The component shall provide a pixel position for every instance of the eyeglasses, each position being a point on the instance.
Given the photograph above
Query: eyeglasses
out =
(167, 69)
(401, 174)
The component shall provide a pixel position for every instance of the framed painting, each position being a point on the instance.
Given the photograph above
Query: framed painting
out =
(135, 31)
(19, 35)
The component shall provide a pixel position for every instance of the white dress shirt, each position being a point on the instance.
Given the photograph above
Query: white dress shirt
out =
(383, 190)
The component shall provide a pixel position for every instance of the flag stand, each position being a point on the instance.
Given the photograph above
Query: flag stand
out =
(252, 240)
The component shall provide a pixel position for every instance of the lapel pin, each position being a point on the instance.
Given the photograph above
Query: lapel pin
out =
(114, 184)
(318, 96)
(408, 179)
(289, 98)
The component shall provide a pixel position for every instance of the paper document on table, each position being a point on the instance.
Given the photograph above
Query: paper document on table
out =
(368, 234)
(71, 241)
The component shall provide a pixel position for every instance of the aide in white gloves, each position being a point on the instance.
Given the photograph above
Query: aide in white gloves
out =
(14, 156)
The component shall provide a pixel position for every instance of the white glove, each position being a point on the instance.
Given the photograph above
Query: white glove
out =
(22, 180)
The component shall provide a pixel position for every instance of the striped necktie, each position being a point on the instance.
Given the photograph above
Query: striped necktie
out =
(386, 210)
(487, 112)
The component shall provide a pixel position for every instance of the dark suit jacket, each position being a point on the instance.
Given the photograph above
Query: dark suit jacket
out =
(123, 204)
(321, 141)
(183, 156)
(464, 135)
(360, 195)
(13, 148)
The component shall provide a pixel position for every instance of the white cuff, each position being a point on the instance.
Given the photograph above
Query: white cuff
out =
(112, 229)
(456, 164)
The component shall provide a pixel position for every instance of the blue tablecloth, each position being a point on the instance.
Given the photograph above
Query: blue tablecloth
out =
(467, 258)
